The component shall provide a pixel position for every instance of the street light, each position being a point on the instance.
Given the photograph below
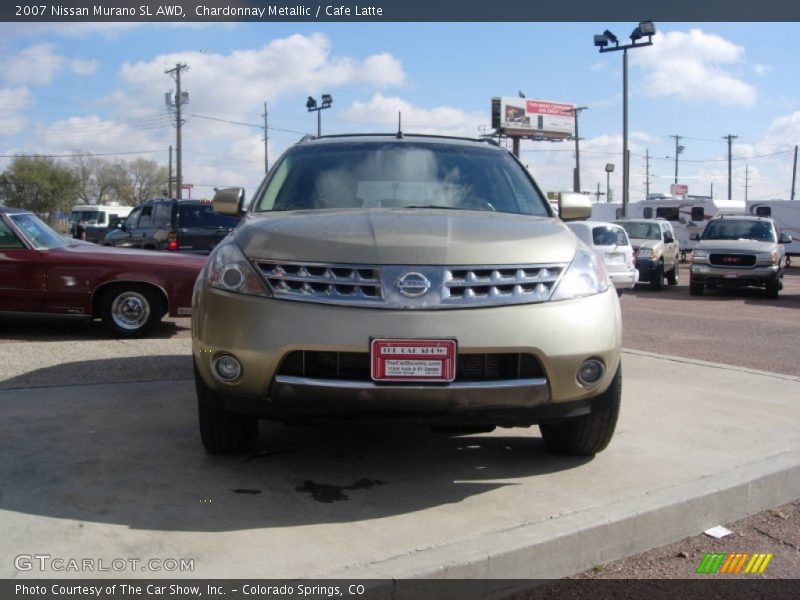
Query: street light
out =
(645, 29)
(609, 171)
(311, 105)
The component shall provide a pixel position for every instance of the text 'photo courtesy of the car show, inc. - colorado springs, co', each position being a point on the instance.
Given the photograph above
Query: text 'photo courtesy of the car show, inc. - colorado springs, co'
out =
(409, 300)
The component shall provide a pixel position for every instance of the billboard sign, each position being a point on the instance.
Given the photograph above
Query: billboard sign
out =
(679, 189)
(536, 118)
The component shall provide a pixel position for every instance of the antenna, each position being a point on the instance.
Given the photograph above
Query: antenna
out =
(399, 125)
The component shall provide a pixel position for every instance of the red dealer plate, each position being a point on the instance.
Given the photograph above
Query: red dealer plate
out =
(413, 360)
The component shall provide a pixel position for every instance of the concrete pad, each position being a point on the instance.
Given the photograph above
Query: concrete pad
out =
(117, 471)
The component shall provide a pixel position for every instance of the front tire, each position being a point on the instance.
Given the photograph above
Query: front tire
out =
(657, 278)
(222, 431)
(772, 290)
(130, 310)
(588, 434)
(672, 276)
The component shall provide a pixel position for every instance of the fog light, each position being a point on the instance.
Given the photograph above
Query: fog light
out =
(226, 368)
(590, 372)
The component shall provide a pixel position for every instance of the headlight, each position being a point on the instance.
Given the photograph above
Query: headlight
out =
(768, 257)
(699, 254)
(644, 253)
(228, 269)
(584, 276)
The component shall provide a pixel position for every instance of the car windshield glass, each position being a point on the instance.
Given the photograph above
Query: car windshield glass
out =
(37, 233)
(92, 217)
(398, 175)
(203, 215)
(642, 231)
(722, 229)
(609, 236)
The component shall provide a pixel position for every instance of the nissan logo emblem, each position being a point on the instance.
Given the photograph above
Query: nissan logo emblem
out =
(413, 285)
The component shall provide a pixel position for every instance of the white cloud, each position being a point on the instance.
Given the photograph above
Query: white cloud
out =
(80, 66)
(235, 83)
(695, 66)
(12, 102)
(762, 70)
(382, 110)
(34, 65)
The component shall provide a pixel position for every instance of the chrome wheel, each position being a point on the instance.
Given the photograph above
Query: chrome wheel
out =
(130, 310)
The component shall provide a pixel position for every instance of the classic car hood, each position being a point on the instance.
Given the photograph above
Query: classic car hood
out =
(86, 251)
(735, 246)
(406, 236)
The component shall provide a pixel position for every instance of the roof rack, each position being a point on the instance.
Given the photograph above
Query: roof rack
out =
(394, 135)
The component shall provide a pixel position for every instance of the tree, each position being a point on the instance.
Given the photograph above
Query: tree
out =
(147, 178)
(39, 184)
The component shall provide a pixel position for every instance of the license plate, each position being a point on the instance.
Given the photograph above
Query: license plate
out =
(413, 360)
(733, 275)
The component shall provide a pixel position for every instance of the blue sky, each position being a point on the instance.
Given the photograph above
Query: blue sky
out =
(100, 88)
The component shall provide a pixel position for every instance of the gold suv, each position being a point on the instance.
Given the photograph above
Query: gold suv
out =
(402, 276)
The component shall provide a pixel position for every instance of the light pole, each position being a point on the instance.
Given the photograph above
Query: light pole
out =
(576, 180)
(312, 106)
(645, 29)
(609, 171)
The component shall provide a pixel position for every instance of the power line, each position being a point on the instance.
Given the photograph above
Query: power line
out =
(258, 125)
(75, 155)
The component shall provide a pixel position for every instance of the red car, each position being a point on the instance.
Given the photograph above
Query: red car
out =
(130, 290)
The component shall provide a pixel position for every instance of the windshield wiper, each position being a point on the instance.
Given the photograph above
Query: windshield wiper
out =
(440, 206)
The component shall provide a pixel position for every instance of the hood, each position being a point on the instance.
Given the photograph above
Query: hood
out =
(638, 243)
(406, 236)
(128, 256)
(736, 246)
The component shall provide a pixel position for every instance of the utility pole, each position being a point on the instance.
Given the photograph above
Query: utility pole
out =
(576, 180)
(179, 100)
(746, 180)
(647, 174)
(169, 178)
(678, 150)
(266, 139)
(794, 171)
(730, 139)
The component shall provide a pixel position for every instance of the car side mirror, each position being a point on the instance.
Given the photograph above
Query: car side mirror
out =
(695, 237)
(668, 239)
(785, 239)
(229, 201)
(574, 207)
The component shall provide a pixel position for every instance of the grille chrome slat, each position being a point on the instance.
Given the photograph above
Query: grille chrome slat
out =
(377, 286)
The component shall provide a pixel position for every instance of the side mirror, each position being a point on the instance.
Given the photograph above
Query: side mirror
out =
(229, 201)
(574, 207)
(668, 239)
(785, 239)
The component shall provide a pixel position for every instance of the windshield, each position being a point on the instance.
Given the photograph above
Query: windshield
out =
(398, 175)
(608, 235)
(722, 229)
(92, 217)
(39, 235)
(642, 231)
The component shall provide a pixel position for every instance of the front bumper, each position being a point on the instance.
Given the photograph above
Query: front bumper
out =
(758, 276)
(624, 280)
(646, 266)
(261, 332)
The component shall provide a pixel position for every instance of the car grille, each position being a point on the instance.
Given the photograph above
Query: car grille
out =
(355, 366)
(411, 287)
(732, 260)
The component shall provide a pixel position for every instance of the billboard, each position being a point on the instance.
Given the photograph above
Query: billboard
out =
(535, 118)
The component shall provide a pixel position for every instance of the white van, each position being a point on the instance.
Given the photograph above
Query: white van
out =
(97, 219)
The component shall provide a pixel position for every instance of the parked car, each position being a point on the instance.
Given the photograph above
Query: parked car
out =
(174, 225)
(405, 276)
(739, 251)
(656, 250)
(44, 272)
(92, 222)
(612, 245)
